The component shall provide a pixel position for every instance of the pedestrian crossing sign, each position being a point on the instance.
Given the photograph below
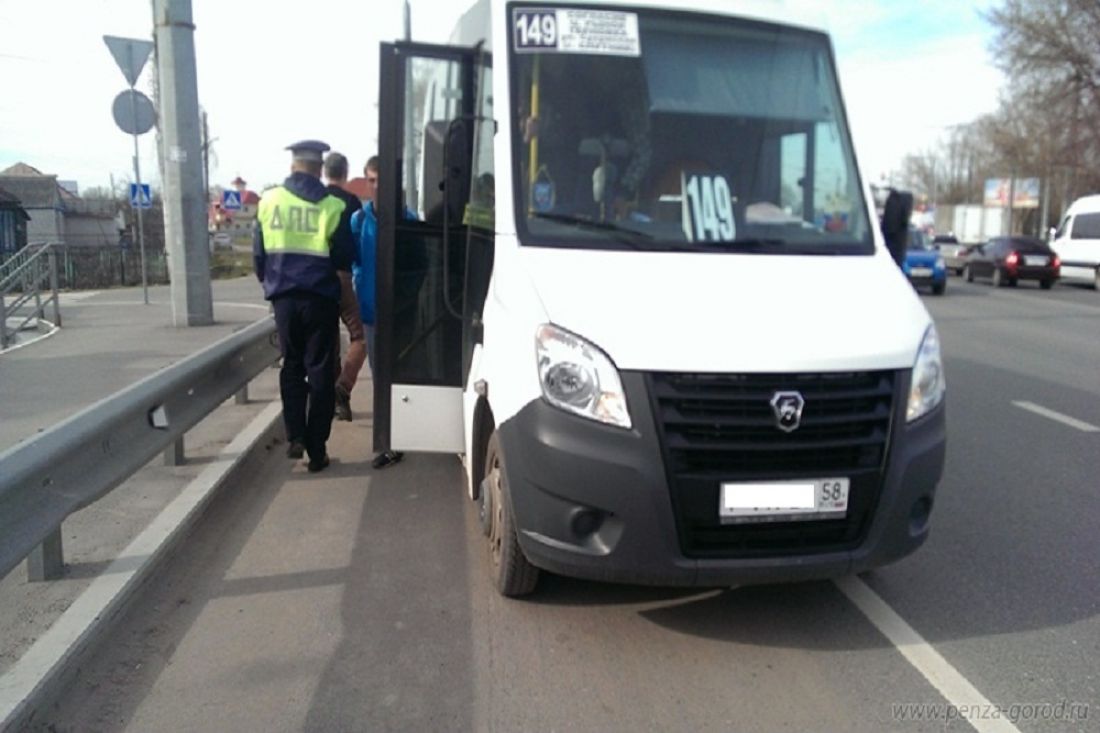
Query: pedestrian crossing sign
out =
(231, 200)
(140, 198)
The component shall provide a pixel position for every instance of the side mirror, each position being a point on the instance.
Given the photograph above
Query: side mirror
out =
(1052, 234)
(895, 223)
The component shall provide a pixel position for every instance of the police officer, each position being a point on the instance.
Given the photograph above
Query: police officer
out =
(301, 240)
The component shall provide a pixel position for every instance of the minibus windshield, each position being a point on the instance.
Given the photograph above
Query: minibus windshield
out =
(694, 133)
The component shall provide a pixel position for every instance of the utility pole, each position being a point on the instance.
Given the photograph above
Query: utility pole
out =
(205, 159)
(185, 216)
(1011, 200)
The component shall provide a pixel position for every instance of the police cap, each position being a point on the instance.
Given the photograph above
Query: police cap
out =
(310, 150)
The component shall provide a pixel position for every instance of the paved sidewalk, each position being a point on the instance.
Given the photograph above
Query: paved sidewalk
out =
(109, 339)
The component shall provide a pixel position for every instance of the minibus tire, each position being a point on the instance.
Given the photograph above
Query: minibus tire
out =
(513, 575)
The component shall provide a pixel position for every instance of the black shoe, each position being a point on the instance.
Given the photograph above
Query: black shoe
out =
(343, 404)
(386, 458)
(318, 464)
(296, 449)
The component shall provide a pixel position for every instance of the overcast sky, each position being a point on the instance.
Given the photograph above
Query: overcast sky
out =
(271, 72)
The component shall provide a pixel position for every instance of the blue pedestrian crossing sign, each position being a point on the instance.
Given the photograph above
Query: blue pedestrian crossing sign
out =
(140, 199)
(231, 200)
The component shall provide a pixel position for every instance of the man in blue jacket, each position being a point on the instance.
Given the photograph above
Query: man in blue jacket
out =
(301, 239)
(364, 226)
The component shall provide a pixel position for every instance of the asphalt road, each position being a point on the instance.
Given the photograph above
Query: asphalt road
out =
(359, 600)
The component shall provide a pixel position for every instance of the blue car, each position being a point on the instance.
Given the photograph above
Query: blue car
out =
(924, 265)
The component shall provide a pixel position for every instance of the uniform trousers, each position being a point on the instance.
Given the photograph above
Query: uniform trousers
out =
(307, 326)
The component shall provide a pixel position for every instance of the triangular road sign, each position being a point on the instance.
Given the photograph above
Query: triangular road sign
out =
(130, 55)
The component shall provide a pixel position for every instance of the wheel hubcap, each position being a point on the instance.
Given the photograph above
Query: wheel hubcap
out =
(495, 534)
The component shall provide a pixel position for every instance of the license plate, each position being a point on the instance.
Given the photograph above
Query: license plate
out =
(1035, 261)
(921, 271)
(825, 498)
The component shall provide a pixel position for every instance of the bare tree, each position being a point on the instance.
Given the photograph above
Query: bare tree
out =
(1050, 118)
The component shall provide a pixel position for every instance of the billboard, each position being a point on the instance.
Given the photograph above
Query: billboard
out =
(1025, 195)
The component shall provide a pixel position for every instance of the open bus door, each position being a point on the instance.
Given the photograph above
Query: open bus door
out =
(423, 332)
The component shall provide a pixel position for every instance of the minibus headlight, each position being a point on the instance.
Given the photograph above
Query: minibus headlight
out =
(927, 387)
(579, 378)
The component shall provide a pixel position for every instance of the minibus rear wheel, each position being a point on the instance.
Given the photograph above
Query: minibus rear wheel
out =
(513, 575)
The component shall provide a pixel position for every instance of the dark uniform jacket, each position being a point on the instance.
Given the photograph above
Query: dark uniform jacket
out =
(283, 273)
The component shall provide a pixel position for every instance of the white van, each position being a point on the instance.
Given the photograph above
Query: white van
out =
(1077, 242)
(645, 297)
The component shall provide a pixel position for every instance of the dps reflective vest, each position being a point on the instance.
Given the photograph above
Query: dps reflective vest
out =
(295, 227)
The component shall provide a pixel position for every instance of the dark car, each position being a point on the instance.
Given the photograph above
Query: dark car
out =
(1007, 260)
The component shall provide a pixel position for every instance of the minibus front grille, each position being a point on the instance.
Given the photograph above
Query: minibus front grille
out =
(719, 428)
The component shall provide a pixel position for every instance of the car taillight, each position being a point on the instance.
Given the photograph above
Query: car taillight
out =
(1055, 262)
(1012, 260)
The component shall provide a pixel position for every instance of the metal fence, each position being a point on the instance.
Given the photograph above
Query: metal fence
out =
(84, 267)
(90, 268)
(76, 462)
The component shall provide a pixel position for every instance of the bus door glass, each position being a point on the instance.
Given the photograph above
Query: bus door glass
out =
(425, 148)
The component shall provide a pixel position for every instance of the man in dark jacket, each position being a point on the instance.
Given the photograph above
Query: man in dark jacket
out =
(302, 238)
(336, 174)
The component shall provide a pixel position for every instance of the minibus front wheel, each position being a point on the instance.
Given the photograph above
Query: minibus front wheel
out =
(513, 575)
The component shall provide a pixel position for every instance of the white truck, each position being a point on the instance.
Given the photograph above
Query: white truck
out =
(645, 297)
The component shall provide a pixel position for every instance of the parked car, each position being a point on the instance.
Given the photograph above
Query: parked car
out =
(923, 265)
(954, 253)
(1077, 241)
(1007, 260)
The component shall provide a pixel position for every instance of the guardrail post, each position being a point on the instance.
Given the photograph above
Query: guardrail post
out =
(241, 398)
(46, 562)
(52, 256)
(174, 454)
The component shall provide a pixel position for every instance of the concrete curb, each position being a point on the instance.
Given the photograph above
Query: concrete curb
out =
(30, 680)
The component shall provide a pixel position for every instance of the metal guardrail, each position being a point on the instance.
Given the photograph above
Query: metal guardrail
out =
(25, 276)
(77, 461)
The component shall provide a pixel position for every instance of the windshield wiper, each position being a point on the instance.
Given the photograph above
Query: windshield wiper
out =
(747, 244)
(622, 234)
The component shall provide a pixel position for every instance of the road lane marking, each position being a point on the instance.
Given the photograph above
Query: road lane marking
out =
(955, 688)
(1057, 416)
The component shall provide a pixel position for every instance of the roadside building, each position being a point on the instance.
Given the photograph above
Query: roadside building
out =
(13, 225)
(57, 214)
(357, 186)
(236, 223)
